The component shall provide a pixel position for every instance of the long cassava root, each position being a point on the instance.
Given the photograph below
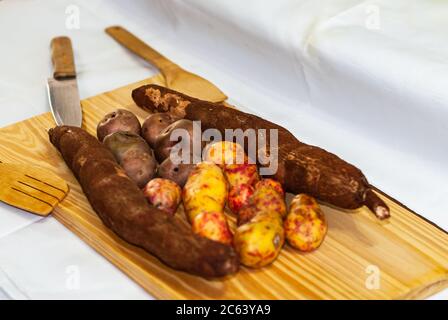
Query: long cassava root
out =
(302, 168)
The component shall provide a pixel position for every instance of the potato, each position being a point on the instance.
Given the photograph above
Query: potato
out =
(259, 241)
(239, 196)
(266, 198)
(153, 126)
(240, 176)
(204, 197)
(175, 172)
(163, 143)
(231, 157)
(135, 156)
(260, 235)
(224, 152)
(305, 225)
(118, 120)
(270, 183)
(163, 194)
(212, 225)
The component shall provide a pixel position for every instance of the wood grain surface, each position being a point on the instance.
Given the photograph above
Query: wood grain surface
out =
(361, 258)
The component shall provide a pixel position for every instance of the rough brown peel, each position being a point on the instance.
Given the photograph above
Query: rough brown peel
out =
(302, 168)
(122, 207)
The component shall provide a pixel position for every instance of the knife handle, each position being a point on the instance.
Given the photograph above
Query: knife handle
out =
(137, 46)
(62, 58)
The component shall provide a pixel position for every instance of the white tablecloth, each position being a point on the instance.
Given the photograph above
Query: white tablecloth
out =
(364, 79)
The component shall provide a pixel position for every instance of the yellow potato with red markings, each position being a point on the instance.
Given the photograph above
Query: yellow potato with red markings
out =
(204, 196)
(231, 157)
(164, 194)
(305, 225)
(239, 197)
(260, 235)
(259, 241)
(266, 198)
(212, 225)
(271, 183)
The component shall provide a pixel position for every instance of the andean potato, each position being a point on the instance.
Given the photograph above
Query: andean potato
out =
(305, 225)
(153, 126)
(267, 197)
(134, 155)
(165, 141)
(239, 196)
(259, 241)
(260, 234)
(118, 120)
(175, 172)
(204, 196)
(163, 194)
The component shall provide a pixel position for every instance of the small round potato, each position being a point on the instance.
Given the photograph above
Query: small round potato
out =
(213, 226)
(175, 172)
(239, 196)
(163, 194)
(118, 120)
(183, 131)
(153, 126)
(135, 156)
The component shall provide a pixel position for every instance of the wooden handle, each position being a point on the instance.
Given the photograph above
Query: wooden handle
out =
(62, 57)
(137, 46)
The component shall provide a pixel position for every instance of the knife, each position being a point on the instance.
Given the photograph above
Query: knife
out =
(62, 89)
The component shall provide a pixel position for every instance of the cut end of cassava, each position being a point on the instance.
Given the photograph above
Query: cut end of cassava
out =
(376, 205)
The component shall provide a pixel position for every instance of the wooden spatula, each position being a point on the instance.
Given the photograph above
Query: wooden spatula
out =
(176, 78)
(31, 188)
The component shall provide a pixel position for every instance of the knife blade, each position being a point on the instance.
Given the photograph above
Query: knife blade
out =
(63, 94)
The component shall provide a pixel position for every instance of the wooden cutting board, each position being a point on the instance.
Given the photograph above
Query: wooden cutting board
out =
(361, 258)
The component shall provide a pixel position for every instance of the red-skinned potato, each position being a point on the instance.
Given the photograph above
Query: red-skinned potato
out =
(239, 196)
(118, 120)
(163, 194)
(163, 143)
(175, 172)
(134, 155)
(267, 197)
(153, 126)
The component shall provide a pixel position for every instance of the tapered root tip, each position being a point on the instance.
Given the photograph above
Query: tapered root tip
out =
(376, 205)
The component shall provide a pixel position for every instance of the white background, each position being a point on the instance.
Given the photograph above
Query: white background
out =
(364, 79)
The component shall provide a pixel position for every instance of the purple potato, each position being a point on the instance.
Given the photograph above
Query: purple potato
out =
(164, 144)
(175, 172)
(153, 125)
(135, 156)
(118, 120)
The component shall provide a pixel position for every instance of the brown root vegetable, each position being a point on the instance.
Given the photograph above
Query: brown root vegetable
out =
(175, 172)
(122, 207)
(163, 194)
(134, 155)
(302, 168)
(305, 225)
(118, 120)
(153, 125)
(180, 132)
